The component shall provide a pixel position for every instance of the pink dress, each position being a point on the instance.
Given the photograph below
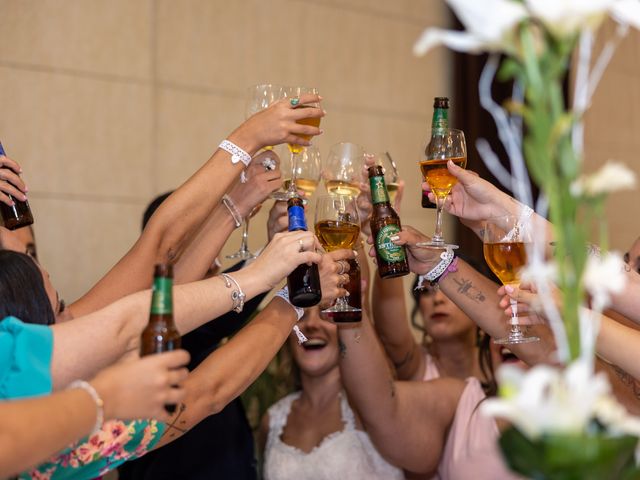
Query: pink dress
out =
(471, 449)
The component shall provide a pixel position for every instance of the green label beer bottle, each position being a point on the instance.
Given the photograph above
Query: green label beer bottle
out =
(385, 223)
(160, 334)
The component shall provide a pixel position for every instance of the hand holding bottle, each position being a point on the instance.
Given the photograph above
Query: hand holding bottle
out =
(10, 181)
(261, 182)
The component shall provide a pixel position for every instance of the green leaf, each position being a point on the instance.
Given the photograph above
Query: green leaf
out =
(509, 69)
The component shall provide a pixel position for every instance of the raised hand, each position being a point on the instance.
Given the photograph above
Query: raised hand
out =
(141, 387)
(529, 306)
(261, 182)
(334, 274)
(10, 181)
(421, 260)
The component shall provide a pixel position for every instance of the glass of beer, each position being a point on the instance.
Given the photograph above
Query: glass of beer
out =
(307, 173)
(505, 243)
(343, 169)
(296, 150)
(259, 97)
(337, 226)
(448, 145)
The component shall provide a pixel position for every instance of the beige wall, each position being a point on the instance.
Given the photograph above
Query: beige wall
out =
(109, 102)
(613, 132)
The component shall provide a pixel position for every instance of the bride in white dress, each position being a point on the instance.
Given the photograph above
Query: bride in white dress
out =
(313, 434)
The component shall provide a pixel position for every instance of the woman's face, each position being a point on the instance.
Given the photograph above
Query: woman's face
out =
(319, 355)
(442, 319)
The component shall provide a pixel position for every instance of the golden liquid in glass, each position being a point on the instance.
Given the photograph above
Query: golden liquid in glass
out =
(506, 260)
(334, 235)
(392, 190)
(340, 187)
(437, 175)
(304, 184)
(314, 122)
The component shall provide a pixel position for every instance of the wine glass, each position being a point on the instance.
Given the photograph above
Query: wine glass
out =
(342, 172)
(296, 150)
(337, 226)
(307, 173)
(505, 243)
(391, 176)
(447, 145)
(259, 97)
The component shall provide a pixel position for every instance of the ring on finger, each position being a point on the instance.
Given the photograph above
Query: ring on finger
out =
(269, 164)
(301, 244)
(295, 101)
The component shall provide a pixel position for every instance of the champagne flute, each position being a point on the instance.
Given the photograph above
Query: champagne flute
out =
(259, 97)
(342, 172)
(505, 251)
(296, 150)
(448, 144)
(337, 226)
(307, 173)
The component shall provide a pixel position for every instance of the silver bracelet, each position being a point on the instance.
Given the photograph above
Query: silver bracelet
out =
(87, 387)
(283, 293)
(237, 154)
(237, 296)
(235, 214)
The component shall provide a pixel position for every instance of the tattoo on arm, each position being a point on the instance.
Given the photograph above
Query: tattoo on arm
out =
(628, 381)
(342, 348)
(172, 426)
(469, 290)
(407, 358)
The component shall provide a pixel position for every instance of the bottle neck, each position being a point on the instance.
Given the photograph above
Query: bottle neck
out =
(440, 121)
(161, 298)
(297, 220)
(379, 192)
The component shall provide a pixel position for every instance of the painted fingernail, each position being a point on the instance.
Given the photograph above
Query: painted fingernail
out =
(394, 238)
(355, 253)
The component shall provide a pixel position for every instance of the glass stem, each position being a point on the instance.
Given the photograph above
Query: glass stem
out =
(244, 245)
(437, 236)
(514, 314)
(294, 172)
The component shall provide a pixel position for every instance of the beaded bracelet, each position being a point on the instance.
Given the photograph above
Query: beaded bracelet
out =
(283, 293)
(235, 214)
(237, 296)
(436, 272)
(87, 387)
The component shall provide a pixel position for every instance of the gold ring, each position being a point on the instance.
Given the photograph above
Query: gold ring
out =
(301, 245)
(342, 267)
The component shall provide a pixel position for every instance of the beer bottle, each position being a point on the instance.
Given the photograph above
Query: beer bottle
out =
(17, 216)
(304, 281)
(161, 335)
(439, 123)
(385, 223)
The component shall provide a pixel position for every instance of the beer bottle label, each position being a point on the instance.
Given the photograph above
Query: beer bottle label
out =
(296, 218)
(378, 190)
(389, 251)
(440, 121)
(161, 300)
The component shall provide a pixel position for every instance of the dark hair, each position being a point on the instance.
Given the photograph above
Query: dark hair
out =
(22, 292)
(482, 339)
(152, 207)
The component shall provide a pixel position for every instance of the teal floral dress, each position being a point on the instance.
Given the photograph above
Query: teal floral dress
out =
(25, 371)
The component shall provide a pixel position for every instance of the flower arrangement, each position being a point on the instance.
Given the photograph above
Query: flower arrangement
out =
(531, 42)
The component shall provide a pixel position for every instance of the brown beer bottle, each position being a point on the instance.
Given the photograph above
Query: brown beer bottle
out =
(439, 123)
(385, 223)
(304, 281)
(161, 335)
(17, 216)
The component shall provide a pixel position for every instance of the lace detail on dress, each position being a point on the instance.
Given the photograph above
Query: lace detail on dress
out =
(347, 453)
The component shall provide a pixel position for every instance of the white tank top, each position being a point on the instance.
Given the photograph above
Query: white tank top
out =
(348, 453)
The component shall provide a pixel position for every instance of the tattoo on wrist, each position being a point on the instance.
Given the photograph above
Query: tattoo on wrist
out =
(469, 290)
(628, 380)
(172, 425)
(342, 348)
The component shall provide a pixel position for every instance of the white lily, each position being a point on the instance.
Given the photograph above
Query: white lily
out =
(564, 18)
(626, 12)
(613, 176)
(603, 276)
(489, 26)
(548, 400)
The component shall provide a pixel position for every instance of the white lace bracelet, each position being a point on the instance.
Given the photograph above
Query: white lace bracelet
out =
(87, 387)
(237, 154)
(283, 293)
(439, 269)
(237, 296)
(235, 214)
(526, 212)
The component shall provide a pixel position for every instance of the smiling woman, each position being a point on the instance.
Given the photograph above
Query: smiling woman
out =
(314, 431)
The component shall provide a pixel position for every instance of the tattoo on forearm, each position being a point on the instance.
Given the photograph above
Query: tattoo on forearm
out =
(407, 358)
(628, 381)
(343, 348)
(469, 290)
(172, 426)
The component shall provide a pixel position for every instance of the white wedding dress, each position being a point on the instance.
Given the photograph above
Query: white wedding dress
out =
(348, 453)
